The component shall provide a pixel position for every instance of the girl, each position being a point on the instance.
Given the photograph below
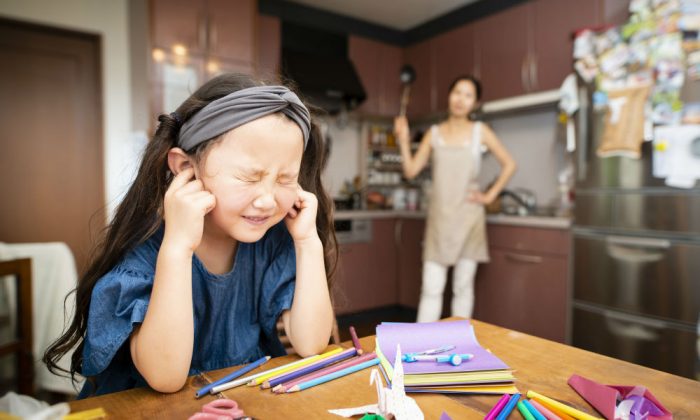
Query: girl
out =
(456, 227)
(225, 229)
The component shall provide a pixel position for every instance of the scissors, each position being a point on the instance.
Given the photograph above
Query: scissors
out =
(220, 409)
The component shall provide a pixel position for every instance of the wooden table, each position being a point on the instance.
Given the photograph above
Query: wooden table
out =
(540, 365)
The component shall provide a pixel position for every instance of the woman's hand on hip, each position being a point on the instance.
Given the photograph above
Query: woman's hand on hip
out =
(301, 219)
(479, 197)
(186, 204)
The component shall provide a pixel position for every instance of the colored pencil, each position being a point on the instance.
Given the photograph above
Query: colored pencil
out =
(282, 388)
(512, 402)
(498, 407)
(299, 372)
(527, 415)
(335, 375)
(535, 413)
(303, 362)
(355, 340)
(249, 378)
(558, 413)
(231, 376)
(544, 411)
(562, 407)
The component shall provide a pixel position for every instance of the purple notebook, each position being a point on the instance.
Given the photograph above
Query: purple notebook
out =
(417, 337)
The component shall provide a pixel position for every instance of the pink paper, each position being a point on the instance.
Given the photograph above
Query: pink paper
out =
(604, 398)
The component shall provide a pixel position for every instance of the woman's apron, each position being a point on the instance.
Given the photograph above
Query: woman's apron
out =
(456, 227)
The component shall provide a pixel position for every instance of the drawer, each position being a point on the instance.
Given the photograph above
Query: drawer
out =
(639, 340)
(678, 213)
(652, 276)
(529, 239)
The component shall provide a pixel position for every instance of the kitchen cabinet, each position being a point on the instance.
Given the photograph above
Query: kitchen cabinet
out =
(269, 47)
(423, 100)
(525, 286)
(366, 277)
(217, 28)
(410, 233)
(454, 57)
(378, 65)
(502, 44)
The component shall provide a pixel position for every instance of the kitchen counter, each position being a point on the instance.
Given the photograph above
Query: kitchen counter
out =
(503, 219)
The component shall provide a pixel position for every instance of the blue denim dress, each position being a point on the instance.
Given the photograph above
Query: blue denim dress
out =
(235, 314)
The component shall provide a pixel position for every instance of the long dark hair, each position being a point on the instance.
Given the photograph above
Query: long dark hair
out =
(140, 214)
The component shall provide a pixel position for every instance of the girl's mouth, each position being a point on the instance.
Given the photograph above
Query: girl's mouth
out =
(259, 220)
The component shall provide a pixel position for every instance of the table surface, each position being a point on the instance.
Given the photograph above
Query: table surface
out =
(540, 365)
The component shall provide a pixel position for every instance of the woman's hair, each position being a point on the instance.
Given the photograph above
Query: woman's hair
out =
(140, 214)
(469, 78)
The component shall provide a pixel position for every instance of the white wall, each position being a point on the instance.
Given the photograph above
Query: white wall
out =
(109, 19)
(535, 141)
(344, 161)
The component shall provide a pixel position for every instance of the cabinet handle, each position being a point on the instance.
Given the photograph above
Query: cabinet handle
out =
(639, 242)
(523, 75)
(529, 259)
(533, 72)
(398, 232)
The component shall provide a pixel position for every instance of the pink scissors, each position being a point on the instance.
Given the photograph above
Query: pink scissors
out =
(221, 409)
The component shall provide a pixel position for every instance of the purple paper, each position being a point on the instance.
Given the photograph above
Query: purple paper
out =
(417, 337)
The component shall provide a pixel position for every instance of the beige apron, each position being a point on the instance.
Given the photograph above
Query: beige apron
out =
(456, 227)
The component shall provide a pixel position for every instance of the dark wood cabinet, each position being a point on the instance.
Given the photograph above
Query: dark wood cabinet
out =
(454, 57)
(410, 260)
(179, 22)
(423, 100)
(503, 48)
(525, 286)
(366, 276)
(378, 65)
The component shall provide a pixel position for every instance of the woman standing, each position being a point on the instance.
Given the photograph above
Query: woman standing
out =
(455, 232)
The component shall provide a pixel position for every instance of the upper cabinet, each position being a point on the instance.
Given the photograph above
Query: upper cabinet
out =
(378, 65)
(454, 56)
(502, 52)
(423, 98)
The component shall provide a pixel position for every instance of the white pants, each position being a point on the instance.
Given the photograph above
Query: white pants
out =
(434, 280)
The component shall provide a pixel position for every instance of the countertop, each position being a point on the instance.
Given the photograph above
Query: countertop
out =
(503, 219)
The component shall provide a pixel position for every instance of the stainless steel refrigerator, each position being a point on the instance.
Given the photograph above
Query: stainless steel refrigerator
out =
(636, 265)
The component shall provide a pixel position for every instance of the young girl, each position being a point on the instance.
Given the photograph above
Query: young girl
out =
(455, 232)
(225, 230)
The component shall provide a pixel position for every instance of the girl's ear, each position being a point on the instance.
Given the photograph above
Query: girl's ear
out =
(178, 160)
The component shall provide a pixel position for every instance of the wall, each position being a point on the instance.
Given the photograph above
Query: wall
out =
(344, 161)
(537, 145)
(109, 19)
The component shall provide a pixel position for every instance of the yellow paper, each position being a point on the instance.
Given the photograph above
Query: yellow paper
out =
(95, 413)
(291, 366)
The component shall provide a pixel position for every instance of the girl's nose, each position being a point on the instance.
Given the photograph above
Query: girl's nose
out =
(265, 200)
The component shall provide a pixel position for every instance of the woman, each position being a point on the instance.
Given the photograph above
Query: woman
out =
(455, 232)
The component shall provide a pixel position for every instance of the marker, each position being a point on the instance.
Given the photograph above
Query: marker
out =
(453, 359)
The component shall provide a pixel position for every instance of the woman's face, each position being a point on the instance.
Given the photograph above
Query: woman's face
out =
(253, 173)
(462, 99)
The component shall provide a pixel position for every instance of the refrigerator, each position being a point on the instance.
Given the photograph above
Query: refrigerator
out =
(636, 255)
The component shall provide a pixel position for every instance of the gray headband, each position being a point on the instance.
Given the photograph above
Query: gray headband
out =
(240, 107)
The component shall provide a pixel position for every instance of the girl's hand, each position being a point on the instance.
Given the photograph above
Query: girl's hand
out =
(301, 219)
(186, 204)
(401, 130)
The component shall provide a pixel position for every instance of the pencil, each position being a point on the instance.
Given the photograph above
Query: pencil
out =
(509, 407)
(282, 388)
(302, 362)
(535, 413)
(323, 379)
(231, 376)
(562, 407)
(545, 411)
(498, 407)
(247, 379)
(301, 371)
(355, 340)
(555, 411)
(527, 415)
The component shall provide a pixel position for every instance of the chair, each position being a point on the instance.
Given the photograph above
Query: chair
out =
(335, 336)
(21, 346)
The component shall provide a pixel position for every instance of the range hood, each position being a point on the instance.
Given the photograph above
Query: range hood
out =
(317, 62)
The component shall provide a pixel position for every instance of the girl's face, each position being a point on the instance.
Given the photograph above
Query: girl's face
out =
(462, 99)
(253, 174)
